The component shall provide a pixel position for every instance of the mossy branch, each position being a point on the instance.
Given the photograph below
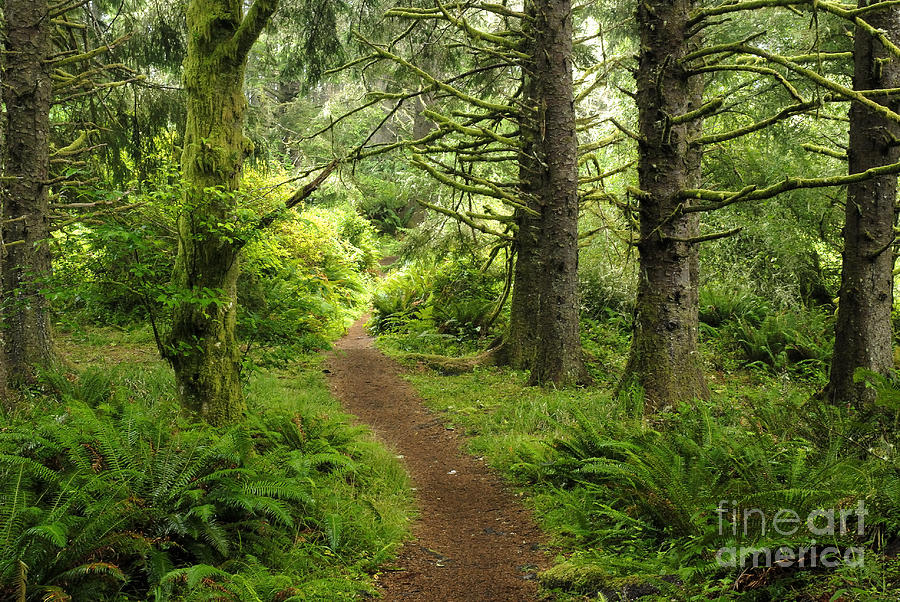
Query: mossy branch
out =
(810, 74)
(498, 9)
(873, 7)
(721, 198)
(585, 149)
(705, 237)
(478, 34)
(824, 150)
(641, 195)
(485, 189)
(625, 130)
(297, 197)
(853, 16)
(467, 221)
(470, 131)
(715, 11)
(86, 56)
(753, 127)
(606, 174)
(61, 8)
(815, 57)
(707, 108)
(751, 69)
(74, 148)
(69, 24)
(441, 85)
(251, 27)
(493, 217)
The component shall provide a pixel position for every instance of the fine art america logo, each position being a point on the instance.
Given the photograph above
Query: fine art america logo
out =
(752, 522)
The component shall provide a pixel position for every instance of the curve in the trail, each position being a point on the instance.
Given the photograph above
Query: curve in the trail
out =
(473, 540)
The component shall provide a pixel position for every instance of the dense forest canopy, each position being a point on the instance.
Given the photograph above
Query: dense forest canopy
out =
(644, 252)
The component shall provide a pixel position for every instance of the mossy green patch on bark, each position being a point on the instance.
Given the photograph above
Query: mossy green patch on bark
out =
(202, 345)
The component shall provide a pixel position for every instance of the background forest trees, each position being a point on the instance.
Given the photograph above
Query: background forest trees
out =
(669, 208)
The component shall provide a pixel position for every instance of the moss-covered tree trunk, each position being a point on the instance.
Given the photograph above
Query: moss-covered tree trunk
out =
(203, 349)
(863, 329)
(543, 333)
(664, 357)
(26, 93)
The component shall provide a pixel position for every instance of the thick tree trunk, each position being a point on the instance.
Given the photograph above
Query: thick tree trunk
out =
(863, 329)
(203, 349)
(26, 92)
(664, 356)
(543, 333)
(550, 170)
(519, 347)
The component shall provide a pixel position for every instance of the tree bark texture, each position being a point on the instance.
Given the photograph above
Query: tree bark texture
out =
(543, 333)
(549, 167)
(27, 93)
(203, 348)
(664, 358)
(863, 328)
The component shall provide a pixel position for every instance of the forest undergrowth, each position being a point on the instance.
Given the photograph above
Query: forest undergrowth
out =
(677, 505)
(643, 506)
(114, 494)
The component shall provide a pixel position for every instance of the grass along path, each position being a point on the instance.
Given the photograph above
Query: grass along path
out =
(473, 540)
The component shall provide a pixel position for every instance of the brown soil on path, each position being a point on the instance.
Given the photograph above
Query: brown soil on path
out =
(473, 540)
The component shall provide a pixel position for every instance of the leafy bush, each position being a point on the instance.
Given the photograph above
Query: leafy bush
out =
(454, 299)
(400, 299)
(463, 298)
(606, 290)
(384, 203)
(635, 500)
(303, 283)
(765, 336)
(114, 272)
(720, 303)
(302, 279)
(109, 494)
(790, 336)
(660, 493)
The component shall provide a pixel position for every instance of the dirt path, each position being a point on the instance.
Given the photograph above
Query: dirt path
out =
(473, 540)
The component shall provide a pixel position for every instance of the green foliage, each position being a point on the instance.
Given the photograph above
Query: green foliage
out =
(795, 337)
(720, 303)
(444, 307)
(114, 272)
(400, 299)
(108, 493)
(798, 336)
(607, 286)
(384, 202)
(302, 283)
(637, 501)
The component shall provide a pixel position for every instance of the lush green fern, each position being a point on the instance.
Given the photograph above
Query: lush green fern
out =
(105, 496)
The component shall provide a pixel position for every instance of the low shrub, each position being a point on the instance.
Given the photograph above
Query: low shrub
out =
(110, 494)
(798, 336)
(643, 506)
(446, 307)
(721, 303)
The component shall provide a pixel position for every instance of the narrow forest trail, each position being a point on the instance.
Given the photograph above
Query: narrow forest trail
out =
(473, 540)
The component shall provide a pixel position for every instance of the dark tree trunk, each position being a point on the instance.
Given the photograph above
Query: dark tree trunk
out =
(543, 332)
(202, 346)
(550, 171)
(519, 347)
(26, 92)
(664, 356)
(863, 329)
